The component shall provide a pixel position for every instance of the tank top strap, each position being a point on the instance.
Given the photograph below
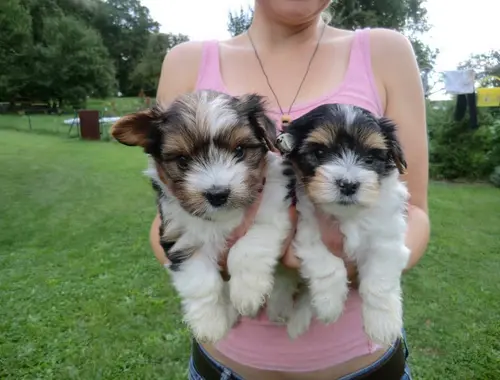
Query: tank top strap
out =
(209, 76)
(359, 75)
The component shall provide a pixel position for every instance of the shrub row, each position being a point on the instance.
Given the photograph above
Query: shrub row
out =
(459, 152)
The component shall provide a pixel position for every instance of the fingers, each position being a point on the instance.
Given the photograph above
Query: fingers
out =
(331, 235)
(292, 213)
(289, 259)
(154, 239)
(334, 243)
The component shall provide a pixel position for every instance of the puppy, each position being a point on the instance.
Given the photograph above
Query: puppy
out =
(348, 164)
(210, 160)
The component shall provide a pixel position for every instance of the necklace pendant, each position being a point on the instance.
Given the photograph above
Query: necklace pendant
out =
(285, 121)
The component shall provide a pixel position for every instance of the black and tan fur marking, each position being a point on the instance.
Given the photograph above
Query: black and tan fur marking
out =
(330, 129)
(198, 131)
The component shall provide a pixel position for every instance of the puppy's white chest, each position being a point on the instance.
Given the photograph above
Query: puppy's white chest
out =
(353, 238)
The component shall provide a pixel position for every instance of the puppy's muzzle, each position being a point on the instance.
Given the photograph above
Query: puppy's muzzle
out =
(217, 196)
(346, 187)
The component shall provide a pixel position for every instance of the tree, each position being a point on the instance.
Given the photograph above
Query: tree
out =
(69, 49)
(239, 22)
(147, 72)
(71, 62)
(406, 16)
(15, 47)
(484, 64)
(125, 27)
(67, 60)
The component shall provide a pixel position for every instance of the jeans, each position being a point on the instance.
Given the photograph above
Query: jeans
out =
(227, 374)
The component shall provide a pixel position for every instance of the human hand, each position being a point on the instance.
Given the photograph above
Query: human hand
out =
(332, 238)
(330, 235)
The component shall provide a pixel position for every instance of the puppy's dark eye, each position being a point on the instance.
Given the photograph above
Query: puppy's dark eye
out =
(239, 152)
(319, 154)
(182, 162)
(369, 160)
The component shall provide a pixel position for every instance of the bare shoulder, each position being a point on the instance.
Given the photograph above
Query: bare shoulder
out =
(186, 50)
(179, 70)
(389, 41)
(392, 54)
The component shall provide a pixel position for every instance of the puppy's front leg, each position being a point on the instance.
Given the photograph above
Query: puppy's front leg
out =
(380, 288)
(201, 288)
(326, 274)
(252, 260)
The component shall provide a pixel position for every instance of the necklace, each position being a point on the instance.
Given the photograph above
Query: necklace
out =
(285, 117)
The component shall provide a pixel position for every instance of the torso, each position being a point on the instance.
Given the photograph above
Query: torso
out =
(328, 80)
(241, 73)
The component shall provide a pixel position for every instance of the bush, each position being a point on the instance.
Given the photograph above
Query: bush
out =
(459, 152)
(495, 177)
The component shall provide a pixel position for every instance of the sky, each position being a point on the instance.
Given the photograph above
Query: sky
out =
(459, 27)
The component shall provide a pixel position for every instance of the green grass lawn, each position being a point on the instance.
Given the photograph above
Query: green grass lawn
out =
(82, 296)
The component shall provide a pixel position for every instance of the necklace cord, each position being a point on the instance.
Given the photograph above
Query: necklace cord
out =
(303, 78)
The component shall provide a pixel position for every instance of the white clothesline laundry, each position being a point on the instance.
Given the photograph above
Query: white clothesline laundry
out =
(459, 82)
(76, 121)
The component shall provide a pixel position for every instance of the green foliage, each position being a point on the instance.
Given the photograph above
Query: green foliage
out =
(426, 56)
(459, 152)
(68, 50)
(394, 14)
(147, 72)
(484, 64)
(239, 22)
(72, 62)
(495, 177)
(15, 46)
(125, 27)
(406, 16)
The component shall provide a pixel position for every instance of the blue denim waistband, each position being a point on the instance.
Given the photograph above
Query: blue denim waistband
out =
(227, 374)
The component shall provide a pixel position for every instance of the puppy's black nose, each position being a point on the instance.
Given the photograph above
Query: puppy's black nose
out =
(217, 197)
(347, 187)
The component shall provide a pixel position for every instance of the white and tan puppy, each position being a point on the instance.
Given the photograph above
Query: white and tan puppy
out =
(210, 160)
(348, 164)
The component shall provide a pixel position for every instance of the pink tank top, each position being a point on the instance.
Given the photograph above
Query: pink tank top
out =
(258, 342)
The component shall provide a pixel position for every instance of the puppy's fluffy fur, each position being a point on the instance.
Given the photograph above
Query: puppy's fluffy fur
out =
(210, 154)
(348, 164)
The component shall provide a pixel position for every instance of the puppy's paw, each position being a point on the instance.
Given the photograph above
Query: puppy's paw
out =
(329, 307)
(326, 277)
(212, 323)
(248, 296)
(329, 299)
(211, 331)
(383, 326)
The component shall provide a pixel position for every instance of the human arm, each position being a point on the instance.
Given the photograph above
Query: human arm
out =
(395, 63)
(154, 239)
(397, 73)
(178, 75)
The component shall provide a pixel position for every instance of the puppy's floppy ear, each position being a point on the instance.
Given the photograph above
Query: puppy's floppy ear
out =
(388, 128)
(136, 129)
(253, 107)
